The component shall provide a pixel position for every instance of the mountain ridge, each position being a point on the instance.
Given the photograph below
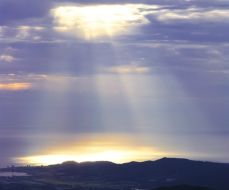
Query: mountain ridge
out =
(163, 159)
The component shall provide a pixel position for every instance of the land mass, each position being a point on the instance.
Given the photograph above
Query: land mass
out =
(162, 174)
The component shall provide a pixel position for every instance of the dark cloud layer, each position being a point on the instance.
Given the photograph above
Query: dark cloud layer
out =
(38, 49)
(15, 11)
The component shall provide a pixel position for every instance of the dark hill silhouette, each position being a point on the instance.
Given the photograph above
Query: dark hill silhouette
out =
(162, 172)
(182, 187)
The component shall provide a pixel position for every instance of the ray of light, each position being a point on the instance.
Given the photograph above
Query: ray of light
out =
(130, 82)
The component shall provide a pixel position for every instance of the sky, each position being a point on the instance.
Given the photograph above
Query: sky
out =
(90, 80)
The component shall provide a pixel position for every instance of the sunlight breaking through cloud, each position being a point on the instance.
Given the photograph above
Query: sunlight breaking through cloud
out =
(99, 20)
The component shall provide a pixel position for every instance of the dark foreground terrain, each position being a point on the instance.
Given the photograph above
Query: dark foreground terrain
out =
(163, 174)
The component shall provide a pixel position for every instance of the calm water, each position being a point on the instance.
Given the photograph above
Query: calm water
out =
(10, 174)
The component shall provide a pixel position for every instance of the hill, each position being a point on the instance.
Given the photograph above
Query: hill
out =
(148, 174)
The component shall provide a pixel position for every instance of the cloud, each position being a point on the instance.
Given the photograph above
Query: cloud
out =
(62, 20)
(12, 11)
(192, 14)
(23, 33)
(95, 21)
(129, 69)
(15, 86)
(7, 58)
(28, 32)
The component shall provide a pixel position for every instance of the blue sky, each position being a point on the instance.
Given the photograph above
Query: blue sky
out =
(95, 79)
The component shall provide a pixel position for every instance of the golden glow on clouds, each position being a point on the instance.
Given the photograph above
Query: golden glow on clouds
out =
(101, 148)
(15, 86)
(99, 20)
